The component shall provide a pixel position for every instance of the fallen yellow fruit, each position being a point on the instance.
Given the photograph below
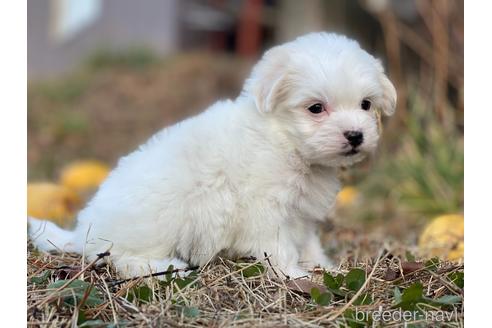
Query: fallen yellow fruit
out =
(52, 202)
(444, 237)
(347, 196)
(84, 176)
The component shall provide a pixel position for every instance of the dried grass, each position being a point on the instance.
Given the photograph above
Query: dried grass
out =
(223, 296)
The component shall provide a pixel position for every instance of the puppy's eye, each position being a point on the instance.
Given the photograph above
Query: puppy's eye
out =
(316, 108)
(365, 104)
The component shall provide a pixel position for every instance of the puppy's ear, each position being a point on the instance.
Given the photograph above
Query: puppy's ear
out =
(388, 103)
(388, 98)
(268, 81)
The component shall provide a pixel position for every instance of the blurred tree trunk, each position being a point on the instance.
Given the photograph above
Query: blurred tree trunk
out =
(299, 17)
(249, 30)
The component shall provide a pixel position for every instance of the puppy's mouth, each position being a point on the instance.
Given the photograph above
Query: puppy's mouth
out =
(351, 152)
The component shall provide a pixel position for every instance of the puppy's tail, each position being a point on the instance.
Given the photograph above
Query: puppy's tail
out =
(47, 236)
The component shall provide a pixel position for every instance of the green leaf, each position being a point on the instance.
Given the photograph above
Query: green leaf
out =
(42, 278)
(183, 282)
(329, 281)
(397, 295)
(413, 293)
(164, 283)
(447, 300)
(333, 282)
(339, 279)
(252, 270)
(411, 297)
(169, 276)
(141, 294)
(338, 292)
(180, 282)
(190, 311)
(458, 278)
(76, 290)
(432, 264)
(353, 321)
(363, 299)
(355, 279)
(315, 293)
(81, 318)
(320, 298)
(120, 324)
(324, 299)
(410, 257)
(93, 323)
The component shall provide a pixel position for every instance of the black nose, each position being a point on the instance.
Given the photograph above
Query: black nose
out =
(354, 138)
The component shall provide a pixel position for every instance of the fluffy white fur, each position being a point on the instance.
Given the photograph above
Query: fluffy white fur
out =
(245, 177)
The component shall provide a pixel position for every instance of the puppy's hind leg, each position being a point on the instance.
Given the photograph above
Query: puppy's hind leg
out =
(132, 266)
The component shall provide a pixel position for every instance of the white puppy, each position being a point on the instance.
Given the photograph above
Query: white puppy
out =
(245, 177)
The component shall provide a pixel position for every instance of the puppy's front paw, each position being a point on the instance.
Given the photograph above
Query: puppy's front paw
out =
(321, 262)
(130, 267)
(313, 255)
(295, 272)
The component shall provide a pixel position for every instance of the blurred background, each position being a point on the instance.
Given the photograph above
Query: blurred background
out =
(104, 75)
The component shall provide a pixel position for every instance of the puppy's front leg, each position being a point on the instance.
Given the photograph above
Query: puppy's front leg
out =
(282, 252)
(312, 253)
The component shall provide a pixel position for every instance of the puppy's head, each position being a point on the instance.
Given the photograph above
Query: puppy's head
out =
(323, 91)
